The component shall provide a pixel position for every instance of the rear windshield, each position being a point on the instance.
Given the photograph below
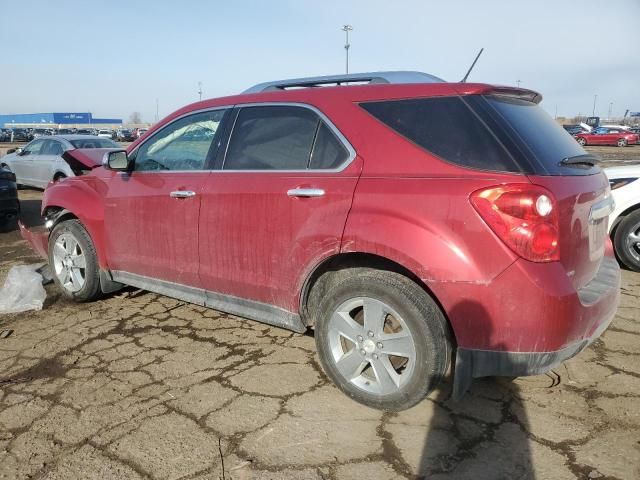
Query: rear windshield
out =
(94, 143)
(483, 132)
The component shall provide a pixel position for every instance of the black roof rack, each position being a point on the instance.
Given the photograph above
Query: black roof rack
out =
(369, 77)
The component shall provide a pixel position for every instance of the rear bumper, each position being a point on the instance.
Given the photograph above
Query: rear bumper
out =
(544, 330)
(37, 237)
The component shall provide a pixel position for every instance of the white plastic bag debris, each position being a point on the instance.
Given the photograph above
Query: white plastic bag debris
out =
(22, 290)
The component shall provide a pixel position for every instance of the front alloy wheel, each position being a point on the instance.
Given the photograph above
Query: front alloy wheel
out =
(69, 262)
(73, 259)
(622, 142)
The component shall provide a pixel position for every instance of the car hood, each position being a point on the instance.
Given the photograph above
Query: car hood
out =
(626, 171)
(82, 160)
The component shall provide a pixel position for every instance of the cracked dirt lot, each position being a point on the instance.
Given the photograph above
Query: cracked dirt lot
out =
(143, 386)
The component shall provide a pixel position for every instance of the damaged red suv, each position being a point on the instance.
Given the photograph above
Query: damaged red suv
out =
(412, 223)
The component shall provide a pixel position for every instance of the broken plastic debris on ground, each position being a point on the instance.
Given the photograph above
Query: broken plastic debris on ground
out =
(22, 290)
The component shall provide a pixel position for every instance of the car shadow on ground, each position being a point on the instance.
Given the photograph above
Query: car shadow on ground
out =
(479, 436)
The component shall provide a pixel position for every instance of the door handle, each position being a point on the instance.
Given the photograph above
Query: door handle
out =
(305, 192)
(182, 194)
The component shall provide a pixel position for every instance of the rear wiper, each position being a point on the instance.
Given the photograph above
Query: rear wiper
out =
(586, 160)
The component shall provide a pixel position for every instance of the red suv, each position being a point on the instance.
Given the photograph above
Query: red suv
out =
(404, 219)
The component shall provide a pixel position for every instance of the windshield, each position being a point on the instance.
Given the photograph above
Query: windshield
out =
(94, 143)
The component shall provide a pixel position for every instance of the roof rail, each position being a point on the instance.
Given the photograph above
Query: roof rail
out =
(370, 77)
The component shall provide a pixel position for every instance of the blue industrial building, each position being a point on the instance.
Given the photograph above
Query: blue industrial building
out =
(54, 120)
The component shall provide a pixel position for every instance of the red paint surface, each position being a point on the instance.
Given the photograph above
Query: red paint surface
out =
(242, 235)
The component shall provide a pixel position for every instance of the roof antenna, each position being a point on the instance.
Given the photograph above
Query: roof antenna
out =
(472, 65)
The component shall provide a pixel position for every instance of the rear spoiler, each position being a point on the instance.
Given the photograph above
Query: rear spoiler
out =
(82, 160)
(505, 91)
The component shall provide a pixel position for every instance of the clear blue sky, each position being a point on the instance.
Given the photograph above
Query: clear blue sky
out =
(116, 57)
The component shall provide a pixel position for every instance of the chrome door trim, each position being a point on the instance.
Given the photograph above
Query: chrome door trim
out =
(251, 309)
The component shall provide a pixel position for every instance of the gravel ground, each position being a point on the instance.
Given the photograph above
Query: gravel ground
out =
(139, 385)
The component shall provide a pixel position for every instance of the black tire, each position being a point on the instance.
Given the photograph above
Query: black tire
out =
(423, 319)
(90, 289)
(622, 142)
(628, 253)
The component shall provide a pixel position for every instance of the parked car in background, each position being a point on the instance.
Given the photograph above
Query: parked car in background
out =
(41, 132)
(5, 135)
(282, 205)
(20, 135)
(64, 131)
(138, 132)
(105, 133)
(607, 136)
(624, 222)
(635, 130)
(126, 135)
(9, 205)
(41, 162)
(87, 131)
(575, 129)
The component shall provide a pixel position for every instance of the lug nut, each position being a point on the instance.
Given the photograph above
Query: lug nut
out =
(379, 345)
(362, 351)
(370, 333)
(360, 338)
(375, 356)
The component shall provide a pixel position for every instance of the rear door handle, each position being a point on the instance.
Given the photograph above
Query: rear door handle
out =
(305, 192)
(182, 194)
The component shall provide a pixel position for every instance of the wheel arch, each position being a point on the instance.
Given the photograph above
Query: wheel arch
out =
(77, 200)
(325, 272)
(621, 216)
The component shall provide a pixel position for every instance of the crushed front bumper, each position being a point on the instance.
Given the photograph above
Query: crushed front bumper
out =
(37, 237)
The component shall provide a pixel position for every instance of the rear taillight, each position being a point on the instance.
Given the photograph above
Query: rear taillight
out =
(524, 216)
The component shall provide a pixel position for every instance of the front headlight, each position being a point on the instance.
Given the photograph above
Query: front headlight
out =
(621, 182)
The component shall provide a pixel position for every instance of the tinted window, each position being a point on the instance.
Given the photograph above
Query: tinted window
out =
(540, 140)
(94, 143)
(328, 151)
(181, 145)
(447, 127)
(271, 138)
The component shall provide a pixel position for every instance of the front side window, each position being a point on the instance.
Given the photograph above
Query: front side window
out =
(182, 145)
(34, 148)
(272, 138)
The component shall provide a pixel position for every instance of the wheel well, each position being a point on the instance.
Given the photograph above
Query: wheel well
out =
(57, 214)
(325, 274)
(59, 175)
(620, 217)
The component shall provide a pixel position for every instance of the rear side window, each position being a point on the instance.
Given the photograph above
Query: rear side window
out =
(272, 138)
(328, 152)
(446, 127)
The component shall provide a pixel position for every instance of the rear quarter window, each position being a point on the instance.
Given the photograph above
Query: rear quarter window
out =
(446, 127)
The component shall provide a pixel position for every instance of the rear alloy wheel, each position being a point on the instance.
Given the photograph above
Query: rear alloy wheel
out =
(382, 339)
(72, 257)
(627, 241)
(622, 142)
(582, 141)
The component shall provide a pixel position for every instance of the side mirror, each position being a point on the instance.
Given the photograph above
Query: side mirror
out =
(11, 150)
(116, 160)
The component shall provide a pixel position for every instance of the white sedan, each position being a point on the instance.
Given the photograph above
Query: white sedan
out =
(624, 222)
(40, 161)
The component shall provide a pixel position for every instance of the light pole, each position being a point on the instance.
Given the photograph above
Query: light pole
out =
(200, 90)
(610, 109)
(518, 83)
(347, 29)
(157, 104)
(593, 112)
